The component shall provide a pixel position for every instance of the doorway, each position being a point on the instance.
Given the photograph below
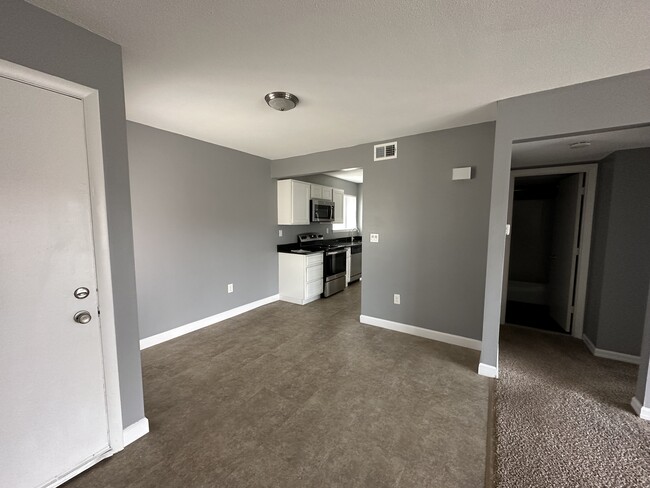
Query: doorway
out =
(61, 411)
(547, 254)
(546, 214)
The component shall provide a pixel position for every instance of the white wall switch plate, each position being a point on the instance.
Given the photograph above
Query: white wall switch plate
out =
(462, 173)
(231, 288)
(396, 299)
(508, 229)
(280, 233)
(374, 237)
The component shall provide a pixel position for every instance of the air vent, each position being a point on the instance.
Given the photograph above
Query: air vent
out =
(386, 151)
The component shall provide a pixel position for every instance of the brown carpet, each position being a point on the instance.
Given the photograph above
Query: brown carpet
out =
(290, 396)
(563, 416)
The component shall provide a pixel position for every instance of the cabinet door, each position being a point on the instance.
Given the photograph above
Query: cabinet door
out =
(316, 191)
(300, 202)
(338, 206)
(327, 192)
(313, 289)
(314, 273)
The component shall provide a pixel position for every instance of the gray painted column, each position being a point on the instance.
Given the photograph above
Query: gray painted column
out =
(641, 401)
(496, 253)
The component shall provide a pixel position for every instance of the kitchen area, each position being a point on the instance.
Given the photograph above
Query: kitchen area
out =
(319, 231)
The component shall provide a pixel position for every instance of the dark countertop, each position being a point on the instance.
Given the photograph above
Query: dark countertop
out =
(342, 241)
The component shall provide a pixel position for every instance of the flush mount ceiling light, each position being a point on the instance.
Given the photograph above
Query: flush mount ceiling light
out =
(281, 101)
(580, 145)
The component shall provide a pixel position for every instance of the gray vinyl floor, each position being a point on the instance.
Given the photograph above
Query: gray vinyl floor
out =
(305, 396)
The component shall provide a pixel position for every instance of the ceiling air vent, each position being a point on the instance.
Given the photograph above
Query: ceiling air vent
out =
(386, 151)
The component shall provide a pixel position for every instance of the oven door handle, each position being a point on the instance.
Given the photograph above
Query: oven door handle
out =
(331, 253)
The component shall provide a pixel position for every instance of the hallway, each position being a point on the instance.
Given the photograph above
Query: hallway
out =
(563, 416)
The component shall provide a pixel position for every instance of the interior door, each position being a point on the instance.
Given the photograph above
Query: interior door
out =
(53, 414)
(564, 250)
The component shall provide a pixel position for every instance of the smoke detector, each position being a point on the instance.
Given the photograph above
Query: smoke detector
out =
(580, 145)
(281, 101)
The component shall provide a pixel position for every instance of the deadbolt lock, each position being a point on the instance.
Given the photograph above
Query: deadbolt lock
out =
(81, 292)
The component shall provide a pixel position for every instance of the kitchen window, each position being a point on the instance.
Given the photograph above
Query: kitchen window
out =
(349, 214)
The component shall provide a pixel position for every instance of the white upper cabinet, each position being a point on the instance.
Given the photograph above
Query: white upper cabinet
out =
(293, 202)
(338, 206)
(321, 192)
(316, 191)
(327, 192)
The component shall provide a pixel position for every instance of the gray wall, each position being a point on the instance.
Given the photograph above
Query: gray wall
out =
(34, 38)
(290, 232)
(203, 217)
(611, 102)
(433, 231)
(619, 271)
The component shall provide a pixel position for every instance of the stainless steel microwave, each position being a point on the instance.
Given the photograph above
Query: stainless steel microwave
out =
(321, 210)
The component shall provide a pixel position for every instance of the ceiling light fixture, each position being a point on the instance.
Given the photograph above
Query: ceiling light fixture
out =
(281, 101)
(580, 145)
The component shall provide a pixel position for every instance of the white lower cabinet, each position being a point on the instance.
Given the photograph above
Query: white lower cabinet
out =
(301, 277)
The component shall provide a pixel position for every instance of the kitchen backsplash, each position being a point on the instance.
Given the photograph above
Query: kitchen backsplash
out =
(290, 232)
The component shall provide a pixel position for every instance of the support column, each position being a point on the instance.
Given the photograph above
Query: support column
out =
(641, 401)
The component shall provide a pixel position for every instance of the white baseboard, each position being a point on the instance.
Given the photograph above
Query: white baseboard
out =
(605, 354)
(200, 324)
(487, 370)
(136, 430)
(421, 332)
(641, 411)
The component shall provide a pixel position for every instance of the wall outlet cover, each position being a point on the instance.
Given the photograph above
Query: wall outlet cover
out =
(396, 299)
(374, 237)
(280, 233)
(231, 288)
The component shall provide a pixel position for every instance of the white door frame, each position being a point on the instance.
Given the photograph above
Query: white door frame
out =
(591, 173)
(90, 99)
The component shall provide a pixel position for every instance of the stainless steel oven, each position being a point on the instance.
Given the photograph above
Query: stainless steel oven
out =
(334, 265)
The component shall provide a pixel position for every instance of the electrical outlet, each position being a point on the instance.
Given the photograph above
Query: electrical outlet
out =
(327, 230)
(396, 299)
(231, 288)
(374, 237)
(280, 233)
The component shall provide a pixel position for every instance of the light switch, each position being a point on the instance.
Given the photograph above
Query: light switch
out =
(280, 232)
(374, 237)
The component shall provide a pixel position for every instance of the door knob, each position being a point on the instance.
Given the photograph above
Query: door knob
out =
(82, 317)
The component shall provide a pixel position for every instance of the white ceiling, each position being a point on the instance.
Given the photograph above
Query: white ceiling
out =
(557, 151)
(355, 175)
(365, 71)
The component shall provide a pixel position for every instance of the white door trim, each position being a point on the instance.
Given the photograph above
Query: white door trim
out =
(591, 173)
(90, 99)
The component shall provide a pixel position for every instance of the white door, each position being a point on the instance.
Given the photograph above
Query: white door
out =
(300, 199)
(53, 414)
(564, 250)
(339, 208)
